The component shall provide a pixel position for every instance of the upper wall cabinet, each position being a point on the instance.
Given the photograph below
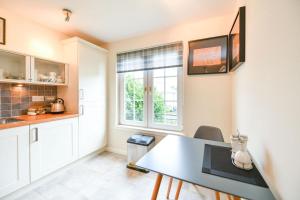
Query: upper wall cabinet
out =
(18, 68)
(14, 67)
(48, 72)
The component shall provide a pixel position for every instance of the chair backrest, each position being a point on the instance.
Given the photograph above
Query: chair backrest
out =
(209, 133)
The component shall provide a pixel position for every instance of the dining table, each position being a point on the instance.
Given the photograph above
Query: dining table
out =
(182, 158)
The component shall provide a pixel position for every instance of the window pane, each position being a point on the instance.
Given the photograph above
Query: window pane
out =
(158, 99)
(171, 113)
(139, 110)
(138, 74)
(171, 71)
(159, 111)
(129, 110)
(134, 96)
(165, 98)
(139, 89)
(171, 88)
(159, 73)
(158, 89)
(129, 87)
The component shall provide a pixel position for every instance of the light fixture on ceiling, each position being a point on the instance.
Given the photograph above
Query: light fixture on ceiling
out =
(67, 14)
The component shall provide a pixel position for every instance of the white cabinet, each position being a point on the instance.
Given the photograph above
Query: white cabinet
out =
(19, 68)
(92, 96)
(14, 67)
(28, 153)
(14, 159)
(52, 146)
(88, 66)
(92, 73)
(92, 135)
(48, 72)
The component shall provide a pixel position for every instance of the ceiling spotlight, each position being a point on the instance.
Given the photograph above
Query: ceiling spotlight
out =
(67, 14)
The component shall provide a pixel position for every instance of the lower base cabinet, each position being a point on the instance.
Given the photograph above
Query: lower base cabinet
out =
(52, 146)
(29, 153)
(14, 159)
(91, 128)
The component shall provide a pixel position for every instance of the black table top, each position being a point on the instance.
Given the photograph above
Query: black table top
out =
(181, 157)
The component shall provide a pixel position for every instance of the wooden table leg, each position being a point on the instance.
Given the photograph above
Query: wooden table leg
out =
(178, 190)
(169, 187)
(233, 197)
(228, 196)
(217, 195)
(156, 186)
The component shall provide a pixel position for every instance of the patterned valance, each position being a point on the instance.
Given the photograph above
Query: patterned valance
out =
(166, 56)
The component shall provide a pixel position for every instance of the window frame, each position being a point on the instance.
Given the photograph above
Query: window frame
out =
(122, 119)
(151, 123)
(148, 103)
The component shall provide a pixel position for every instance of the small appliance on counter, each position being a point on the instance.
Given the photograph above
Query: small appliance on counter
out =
(57, 106)
(240, 156)
(36, 110)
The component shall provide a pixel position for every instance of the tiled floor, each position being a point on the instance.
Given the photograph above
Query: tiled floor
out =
(105, 177)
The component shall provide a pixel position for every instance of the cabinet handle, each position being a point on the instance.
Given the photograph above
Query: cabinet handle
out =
(81, 94)
(81, 109)
(34, 135)
(37, 134)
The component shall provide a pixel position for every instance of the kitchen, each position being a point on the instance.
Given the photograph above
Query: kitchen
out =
(80, 82)
(30, 108)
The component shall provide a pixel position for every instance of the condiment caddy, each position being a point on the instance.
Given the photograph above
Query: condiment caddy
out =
(240, 155)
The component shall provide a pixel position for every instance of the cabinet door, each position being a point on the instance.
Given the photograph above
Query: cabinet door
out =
(91, 128)
(14, 159)
(92, 73)
(53, 145)
(92, 98)
(49, 72)
(14, 67)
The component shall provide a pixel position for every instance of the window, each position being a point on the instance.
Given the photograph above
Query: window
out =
(150, 87)
(133, 98)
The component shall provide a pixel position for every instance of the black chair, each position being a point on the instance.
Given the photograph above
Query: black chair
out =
(205, 133)
(209, 133)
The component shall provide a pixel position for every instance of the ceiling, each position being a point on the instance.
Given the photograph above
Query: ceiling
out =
(112, 20)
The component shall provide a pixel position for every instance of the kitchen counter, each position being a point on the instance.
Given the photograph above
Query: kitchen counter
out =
(28, 120)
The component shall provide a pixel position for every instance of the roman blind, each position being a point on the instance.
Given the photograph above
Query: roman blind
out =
(165, 56)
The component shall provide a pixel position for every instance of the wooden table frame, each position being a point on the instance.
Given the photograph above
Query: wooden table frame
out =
(157, 187)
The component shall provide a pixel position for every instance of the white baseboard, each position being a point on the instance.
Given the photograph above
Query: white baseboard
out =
(116, 150)
(33, 185)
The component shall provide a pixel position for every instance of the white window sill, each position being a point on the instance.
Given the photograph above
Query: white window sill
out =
(150, 130)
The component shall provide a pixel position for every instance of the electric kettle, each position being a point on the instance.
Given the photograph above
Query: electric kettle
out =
(58, 106)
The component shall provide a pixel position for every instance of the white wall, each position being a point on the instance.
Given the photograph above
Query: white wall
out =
(28, 37)
(207, 98)
(266, 92)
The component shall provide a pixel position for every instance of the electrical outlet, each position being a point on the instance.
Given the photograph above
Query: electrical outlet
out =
(38, 98)
(49, 98)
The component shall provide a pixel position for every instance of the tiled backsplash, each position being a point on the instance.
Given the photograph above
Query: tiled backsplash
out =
(16, 99)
